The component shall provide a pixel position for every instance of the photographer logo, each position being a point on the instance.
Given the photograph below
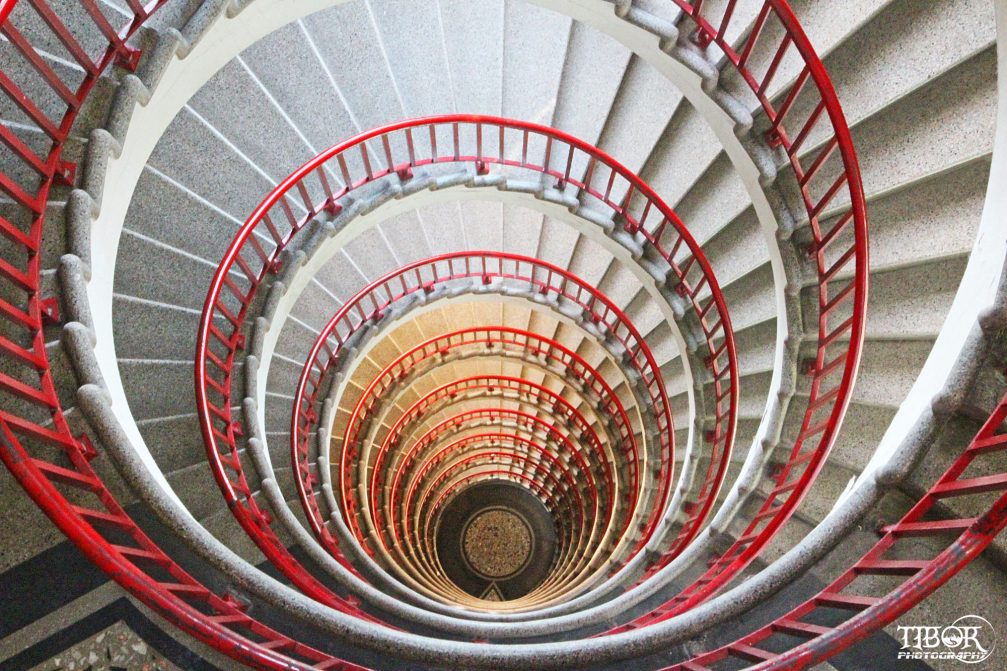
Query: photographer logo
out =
(969, 639)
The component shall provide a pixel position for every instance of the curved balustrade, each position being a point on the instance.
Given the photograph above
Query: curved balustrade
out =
(456, 391)
(432, 143)
(39, 448)
(576, 369)
(530, 393)
(812, 633)
(52, 464)
(509, 419)
(820, 181)
(485, 341)
(489, 447)
(422, 277)
(511, 270)
(497, 341)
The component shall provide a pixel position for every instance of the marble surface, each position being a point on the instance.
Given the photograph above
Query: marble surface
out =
(116, 648)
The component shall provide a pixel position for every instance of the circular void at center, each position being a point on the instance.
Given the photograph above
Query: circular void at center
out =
(496, 541)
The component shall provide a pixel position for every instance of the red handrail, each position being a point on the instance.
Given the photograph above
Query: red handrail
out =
(489, 457)
(453, 391)
(872, 605)
(504, 337)
(576, 367)
(380, 295)
(455, 139)
(425, 275)
(34, 476)
(37, 444)
(827, 403)
(498, 338)
(519, 419)
(480, 443)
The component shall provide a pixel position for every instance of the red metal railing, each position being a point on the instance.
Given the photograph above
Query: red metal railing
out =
(488, 268)
(515, 420)
(463, 389)
(422, 277)
(442, 345)
(559, 500)
(405, 364)
(843, 613)
(489, 444)
(431, 143)
(840, 247)
(36, 442)
(499, 341)
(25, 440)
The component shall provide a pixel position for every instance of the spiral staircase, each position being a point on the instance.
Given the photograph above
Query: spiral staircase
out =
(500, 334)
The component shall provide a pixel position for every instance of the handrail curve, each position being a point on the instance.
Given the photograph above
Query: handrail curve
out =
(311, 189)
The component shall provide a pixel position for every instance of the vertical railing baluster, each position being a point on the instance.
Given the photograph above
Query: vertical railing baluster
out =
(366, 158)
(726, 20)
(306, 198)
(410, 147)
(388, 152)
(326, 187)
(774, 65)
(344, 170)
(569, 167)
(64, 35)
(753, 36)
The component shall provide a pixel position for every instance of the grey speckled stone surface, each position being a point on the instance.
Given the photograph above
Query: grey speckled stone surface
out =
(474, 52)
(191, 154)
(888, 159)
(300, 83)
(592, 75)
(118, 646)
(346, 38)
(412, 39)
(639, 114)
(144, 329)
(260, 131)
(27, 531)
(534, 40)
(154, 272)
